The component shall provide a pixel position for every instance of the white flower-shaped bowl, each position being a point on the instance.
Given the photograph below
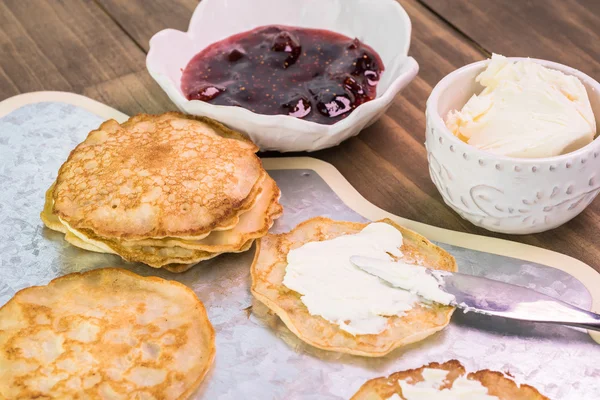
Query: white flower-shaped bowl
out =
(382, 24)
(505, 194)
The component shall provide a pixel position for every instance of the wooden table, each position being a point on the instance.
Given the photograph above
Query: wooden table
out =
(98, 48)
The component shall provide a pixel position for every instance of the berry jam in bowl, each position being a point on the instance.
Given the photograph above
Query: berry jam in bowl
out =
(293, 75)
(312, 74)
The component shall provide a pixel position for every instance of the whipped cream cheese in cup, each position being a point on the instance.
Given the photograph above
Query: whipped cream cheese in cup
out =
(512, 143)
(525, 110)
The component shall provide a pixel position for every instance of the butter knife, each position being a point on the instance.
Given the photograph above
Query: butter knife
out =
(491, 297)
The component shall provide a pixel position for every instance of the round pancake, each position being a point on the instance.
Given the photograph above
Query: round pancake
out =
(47, 216)
(157, 257)
(86, 245)
(268, 271)
(52, 221)
(251, 225)
(157, 176)
(497, 384)
(175, 258)
(178, 268)
(106, 333)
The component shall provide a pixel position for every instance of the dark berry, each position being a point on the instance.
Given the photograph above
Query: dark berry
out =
(298, 107)
(356, 89)
(333, 105)
(372, 77)
(366, 65)
(354, 44)
(235, 55)
(206, 93)
(285, 42)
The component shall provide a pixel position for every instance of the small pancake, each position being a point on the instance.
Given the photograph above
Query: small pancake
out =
(174, 258)
(253, 224)
(158, 257)
(106, 333)
(47, 216)
(157, 176)
(497, 383)
(178, 268)
(85, 244)
(53, 222)
(268, 271)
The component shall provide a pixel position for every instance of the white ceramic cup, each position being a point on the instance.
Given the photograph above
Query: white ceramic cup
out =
(507, 194)
(382, 24)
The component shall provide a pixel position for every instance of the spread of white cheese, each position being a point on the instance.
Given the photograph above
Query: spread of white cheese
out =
(526, 111)
(429, 388)
(336, 290)
(333, 288)
(413, 278)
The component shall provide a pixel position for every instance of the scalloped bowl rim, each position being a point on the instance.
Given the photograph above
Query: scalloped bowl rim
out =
(370, 107)
(448, 81)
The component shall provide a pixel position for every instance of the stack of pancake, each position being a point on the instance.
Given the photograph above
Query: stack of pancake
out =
(166, 190)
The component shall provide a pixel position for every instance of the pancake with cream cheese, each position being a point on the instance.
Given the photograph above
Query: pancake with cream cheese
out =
(106, 333)
(446, 381)
(371, 318)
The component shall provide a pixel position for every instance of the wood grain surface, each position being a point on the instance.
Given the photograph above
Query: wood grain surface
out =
(98, 48)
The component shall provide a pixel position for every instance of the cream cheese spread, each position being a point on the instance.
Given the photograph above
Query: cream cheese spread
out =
(414, 278)
(333, 288)
(526, 110)
(433, 379)
(336, 290)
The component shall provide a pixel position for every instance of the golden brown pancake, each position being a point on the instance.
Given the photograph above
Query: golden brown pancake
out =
(496, 382)
(47, 216)
(200, 183)
(158, 252)
(268, 271)
(106, 333)
(164, 256)
(251, 225)
(178, 268)
(156, 176)
(161, 252)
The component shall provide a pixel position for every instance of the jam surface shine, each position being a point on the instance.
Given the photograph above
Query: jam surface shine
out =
(313, 74)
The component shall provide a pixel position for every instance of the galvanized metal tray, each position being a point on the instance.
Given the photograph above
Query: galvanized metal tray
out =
(257, 357)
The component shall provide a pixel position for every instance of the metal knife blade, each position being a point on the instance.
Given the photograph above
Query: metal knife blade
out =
(491, 297)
